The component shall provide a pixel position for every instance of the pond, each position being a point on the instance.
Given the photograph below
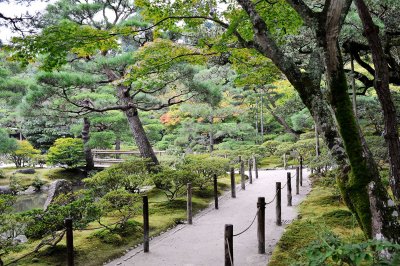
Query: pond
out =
(35, 200)
(31, 201)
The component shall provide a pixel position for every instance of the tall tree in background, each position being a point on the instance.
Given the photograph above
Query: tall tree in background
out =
(381, 85)
(141, 81)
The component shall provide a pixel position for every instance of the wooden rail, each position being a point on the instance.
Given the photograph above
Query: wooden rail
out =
(109, 153)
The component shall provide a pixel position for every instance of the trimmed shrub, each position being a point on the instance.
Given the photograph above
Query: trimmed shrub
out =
(67, 151)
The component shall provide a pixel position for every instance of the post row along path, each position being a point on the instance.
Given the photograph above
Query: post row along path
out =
(202, 243)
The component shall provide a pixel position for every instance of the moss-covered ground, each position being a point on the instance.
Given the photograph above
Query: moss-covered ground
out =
(270, 162)
(322, 211)
(91, 250)
(45, 174)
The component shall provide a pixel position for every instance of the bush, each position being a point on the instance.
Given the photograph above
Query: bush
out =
(205, 167)
(271, 146)
(24, 153)
(41, 159)
(38, 183)
(285, 138)
(15, 184)
(78, 205)
(67, 151)
(331, 248)
(162, 145)
(173, 181)
(123, 205)
(108, 237)
(129, 175)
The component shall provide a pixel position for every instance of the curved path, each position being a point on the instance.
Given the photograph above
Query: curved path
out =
(202, 243)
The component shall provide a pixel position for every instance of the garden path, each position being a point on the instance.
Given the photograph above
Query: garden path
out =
(202, 242)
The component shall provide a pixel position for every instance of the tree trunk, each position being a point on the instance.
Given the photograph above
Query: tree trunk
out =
(143, 143)
(86, 149)
(381, 85)
(211, 134)
(256, 120)
(317, 147)
(353, 86)
(281, 120)
(262, 119)
(117, 146)
(362, 189)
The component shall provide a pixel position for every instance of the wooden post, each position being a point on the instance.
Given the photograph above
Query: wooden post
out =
(261, 225)
(233, 184)
(145, 224)
(228, 244)
(255, 166)
(278, 204)
(189, 203)
(301, 170)
(242, 178)
(215, 192)
(70, 241)
(297, 181)
(250, 172)
(289, 189)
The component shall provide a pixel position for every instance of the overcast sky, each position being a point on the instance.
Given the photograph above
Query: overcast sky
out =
(12, 9)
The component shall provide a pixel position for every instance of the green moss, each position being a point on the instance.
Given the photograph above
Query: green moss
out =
(353, 189)
(320, 212)
(109, 237)
(339, 218)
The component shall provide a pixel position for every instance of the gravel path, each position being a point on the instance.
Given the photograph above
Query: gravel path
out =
(202, 242)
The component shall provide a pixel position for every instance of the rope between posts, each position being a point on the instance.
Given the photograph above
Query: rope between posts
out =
(229, 251)
(238, 234)
(269, 202)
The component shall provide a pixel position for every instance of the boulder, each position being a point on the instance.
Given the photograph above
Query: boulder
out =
(30, 190)
(29, 171)
(59, 186)
(5, 190)
(20, 239)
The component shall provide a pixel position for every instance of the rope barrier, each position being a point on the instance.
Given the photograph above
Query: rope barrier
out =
(269, 202)
(238, 234)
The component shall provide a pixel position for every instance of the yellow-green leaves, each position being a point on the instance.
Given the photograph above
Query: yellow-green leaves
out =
(160, 55)
(57, 41)
(254, 69)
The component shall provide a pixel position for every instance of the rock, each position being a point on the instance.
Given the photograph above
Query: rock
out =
(5, 190)
(29, 171)
(35, 260)
(30, 190)
(59, 186)
(20, 239)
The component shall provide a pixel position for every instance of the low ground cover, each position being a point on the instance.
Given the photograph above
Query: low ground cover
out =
(327, 233)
